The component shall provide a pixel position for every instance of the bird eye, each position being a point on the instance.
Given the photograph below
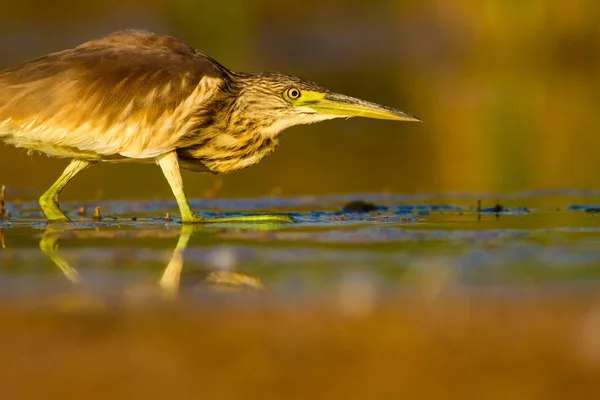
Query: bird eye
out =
(293, 93)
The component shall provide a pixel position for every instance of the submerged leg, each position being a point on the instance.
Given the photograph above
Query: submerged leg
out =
(49, 200)
(169, 164)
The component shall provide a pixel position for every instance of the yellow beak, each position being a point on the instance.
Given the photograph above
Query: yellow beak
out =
(339, 104)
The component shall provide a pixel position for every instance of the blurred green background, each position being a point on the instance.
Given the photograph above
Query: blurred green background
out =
(507, 89)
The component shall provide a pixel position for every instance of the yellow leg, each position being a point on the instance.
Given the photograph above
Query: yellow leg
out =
(169, 163)
(49, 200)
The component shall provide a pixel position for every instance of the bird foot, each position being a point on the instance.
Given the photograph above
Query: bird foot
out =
(52, 211)
(261, 218)
(193, 218)
(55, 216)
(59, 220)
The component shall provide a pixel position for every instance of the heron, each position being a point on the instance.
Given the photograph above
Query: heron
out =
(143, 97)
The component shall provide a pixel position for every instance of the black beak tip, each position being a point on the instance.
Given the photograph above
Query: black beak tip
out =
(412, 117)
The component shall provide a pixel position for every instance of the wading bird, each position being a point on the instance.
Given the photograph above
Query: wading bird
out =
(138, 96)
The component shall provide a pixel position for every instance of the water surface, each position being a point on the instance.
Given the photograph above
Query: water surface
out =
(382, 245)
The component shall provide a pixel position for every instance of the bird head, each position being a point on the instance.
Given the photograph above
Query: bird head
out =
(277, 101)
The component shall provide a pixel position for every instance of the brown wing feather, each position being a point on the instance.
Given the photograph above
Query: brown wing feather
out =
(129, 93)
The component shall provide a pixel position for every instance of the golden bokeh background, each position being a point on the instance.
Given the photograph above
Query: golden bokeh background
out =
(508, 91)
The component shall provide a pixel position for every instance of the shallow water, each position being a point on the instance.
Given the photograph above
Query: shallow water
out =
(431, 296)
(428, 245)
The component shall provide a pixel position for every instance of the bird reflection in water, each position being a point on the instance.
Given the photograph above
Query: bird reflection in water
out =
(169, 282)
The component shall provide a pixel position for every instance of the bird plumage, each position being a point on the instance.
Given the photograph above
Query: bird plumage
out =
(131, 94)
(136, 95)
(139, 96)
